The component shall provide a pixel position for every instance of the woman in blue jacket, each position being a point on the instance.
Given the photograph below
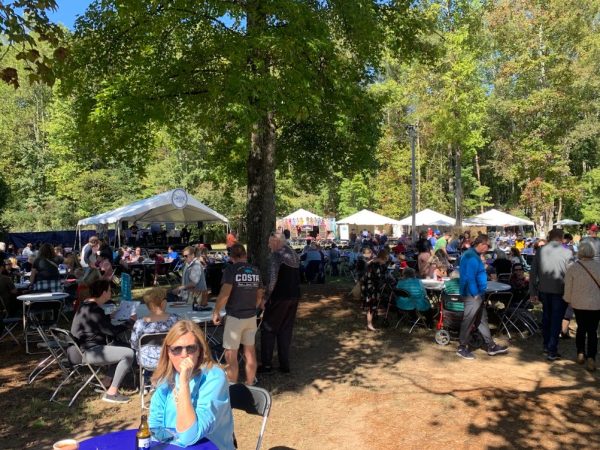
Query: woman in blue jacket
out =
(192, 394)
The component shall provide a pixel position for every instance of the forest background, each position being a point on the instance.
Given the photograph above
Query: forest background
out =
(506, 96)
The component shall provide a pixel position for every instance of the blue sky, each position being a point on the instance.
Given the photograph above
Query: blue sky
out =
(68, 10)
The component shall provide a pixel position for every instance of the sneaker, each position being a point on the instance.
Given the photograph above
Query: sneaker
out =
(590, 364)
(464, 352)
(580, 358)
(116, 398)
(264, 369)
(496, 349)
(553, 356)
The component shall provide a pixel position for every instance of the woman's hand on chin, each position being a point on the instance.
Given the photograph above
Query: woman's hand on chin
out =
(185, 370)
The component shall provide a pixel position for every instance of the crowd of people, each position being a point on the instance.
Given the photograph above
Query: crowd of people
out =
(191, 390)
(559, 272)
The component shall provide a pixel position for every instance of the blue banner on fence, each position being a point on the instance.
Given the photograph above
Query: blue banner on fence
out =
(125, 287)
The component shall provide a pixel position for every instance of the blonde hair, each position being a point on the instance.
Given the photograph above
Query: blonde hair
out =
(155, 296)
(165, 372)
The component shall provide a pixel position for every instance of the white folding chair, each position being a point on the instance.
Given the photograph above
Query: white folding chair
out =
(146, 341)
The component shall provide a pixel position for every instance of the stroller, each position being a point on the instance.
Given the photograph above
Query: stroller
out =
(450, 318)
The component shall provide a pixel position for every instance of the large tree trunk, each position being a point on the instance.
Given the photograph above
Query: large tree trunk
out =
(260, 210)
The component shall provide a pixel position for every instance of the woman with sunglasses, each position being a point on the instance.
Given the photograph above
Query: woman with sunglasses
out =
(192, 394)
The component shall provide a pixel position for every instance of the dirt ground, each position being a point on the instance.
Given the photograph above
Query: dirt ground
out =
(350, 388)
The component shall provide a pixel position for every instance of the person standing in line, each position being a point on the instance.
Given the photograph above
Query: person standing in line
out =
(241, 294)
(582, 292)
(473, 284)
(282, 296)
(547, 283)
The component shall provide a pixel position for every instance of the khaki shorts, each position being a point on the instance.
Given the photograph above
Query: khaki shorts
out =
(239, 331)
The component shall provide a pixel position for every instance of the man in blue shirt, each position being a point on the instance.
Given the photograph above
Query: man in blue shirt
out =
(473, 284)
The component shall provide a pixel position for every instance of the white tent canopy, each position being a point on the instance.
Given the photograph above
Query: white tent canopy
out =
(366, 217)
(493, 217)
(567, 222)
(176, 206)
(302, 214)
(428, 217)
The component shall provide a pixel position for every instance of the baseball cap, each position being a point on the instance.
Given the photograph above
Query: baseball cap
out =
(594, 227)
(438, 232)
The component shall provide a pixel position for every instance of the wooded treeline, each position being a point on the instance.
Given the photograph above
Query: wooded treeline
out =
(205, 95)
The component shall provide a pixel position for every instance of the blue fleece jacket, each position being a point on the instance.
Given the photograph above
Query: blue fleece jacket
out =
(473, 277)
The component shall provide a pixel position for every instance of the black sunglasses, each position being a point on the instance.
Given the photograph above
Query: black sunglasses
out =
(185, 256)
(189, 349)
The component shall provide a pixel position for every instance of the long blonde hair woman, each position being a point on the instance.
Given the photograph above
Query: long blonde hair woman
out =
(192, 393)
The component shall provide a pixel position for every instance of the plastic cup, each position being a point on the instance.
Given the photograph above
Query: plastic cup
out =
(66, 444)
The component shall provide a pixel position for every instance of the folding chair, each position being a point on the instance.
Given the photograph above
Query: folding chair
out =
(42, 325)
(66, 342)
(504, 314)
(40, 314)
(147, 340)
(9, 323)
(161, 273)
(253, 400)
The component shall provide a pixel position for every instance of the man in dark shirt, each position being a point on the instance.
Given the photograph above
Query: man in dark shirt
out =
(282, 294)
(241, 293)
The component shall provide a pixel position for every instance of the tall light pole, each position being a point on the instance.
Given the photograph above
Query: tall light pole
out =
(412, 133)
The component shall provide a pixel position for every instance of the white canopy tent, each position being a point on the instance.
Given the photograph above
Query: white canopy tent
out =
(303, 214)
(428, 217)
(174, 206)
(367, 219)
(567, 223)
(493, 217)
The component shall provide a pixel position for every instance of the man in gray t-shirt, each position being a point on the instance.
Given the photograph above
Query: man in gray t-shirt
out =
(241, 294)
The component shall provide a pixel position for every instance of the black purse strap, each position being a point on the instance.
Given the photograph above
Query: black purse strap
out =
(589, 273)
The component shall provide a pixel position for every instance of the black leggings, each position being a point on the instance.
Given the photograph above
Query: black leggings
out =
(587, 326)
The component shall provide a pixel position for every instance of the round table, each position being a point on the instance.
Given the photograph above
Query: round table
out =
(125, 440)
(184, 311)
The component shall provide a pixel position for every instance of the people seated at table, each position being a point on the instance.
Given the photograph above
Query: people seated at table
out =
(519, 283)
(99, 339)
(193, 281)
(137, 257)
(444, 265)
(74, 269)
(172, 254)
(516, 258)
(158, 321)
(417, 299)
(28, 250)
(45, 276)
(372, 282)
(192, 391)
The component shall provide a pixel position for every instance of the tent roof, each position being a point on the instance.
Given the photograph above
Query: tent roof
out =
(366, 217)
(567, 222)
(429, 217)
(172, 206)
(493, 217)
(302, 214)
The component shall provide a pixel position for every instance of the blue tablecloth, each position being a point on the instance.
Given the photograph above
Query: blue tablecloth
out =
(125, 440)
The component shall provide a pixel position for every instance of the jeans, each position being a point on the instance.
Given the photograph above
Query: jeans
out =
(554, 308)
(587, 326)
(475, 315)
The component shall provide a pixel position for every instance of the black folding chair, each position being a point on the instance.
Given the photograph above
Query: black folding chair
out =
(9, 323)
(75, 355)
(147, 340)
(42, 324)
(253, 400)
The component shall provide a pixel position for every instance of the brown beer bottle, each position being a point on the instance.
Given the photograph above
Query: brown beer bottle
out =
(142, 437)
